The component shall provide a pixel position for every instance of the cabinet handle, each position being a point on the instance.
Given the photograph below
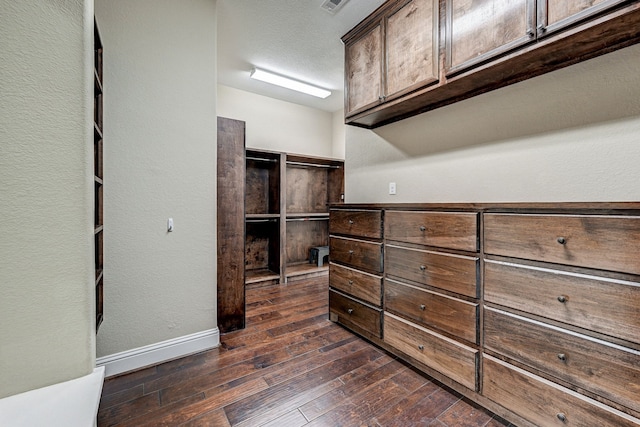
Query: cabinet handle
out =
(351, 282)
(561, 416)
(422, 307)
(350, 251)
(542, 28)
(423, 268)
(420, 347)
(350, 221)
(562, 299)
(423, 228)
(381, 98)
(350, 311)
(531, 33)
(561, 240)
(562, 357)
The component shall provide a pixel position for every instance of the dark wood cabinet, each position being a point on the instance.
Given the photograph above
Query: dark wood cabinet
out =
(98, 175)
(409, 57)
(480, 30)
(394, 56)
(531, 310)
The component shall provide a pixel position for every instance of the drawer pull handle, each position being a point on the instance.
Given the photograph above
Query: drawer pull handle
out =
(562, 357)
(423, 228)
(350, 221)
(422, 307)
(351, 282)
(562, 417)
(420, 347)
(350, 251)
(350, 311)
(561, 240)
(562, 299)
(423, 268)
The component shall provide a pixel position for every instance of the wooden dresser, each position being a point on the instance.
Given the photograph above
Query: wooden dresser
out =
(531, 310)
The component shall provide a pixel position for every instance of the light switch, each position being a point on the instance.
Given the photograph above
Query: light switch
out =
(392, 188)
(170, 225)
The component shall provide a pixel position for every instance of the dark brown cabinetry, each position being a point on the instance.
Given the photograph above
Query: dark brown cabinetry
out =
(98, 172)
(395, 54)
(394, 68)
(531, 310)
(287, 202)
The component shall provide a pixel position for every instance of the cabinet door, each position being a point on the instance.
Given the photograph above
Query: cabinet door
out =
(555, 15)
(478, 30)
(411, 47)
(364, 71)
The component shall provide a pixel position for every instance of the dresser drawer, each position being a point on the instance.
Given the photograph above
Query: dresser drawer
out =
(601, 242)
(431, 309)
(361, 285)
(607, 370)
(453, 230)
(455, 360)
(359, 223)
(455, 273)
(357, 253)
(543, 402)
(360, 318)
(600, 304)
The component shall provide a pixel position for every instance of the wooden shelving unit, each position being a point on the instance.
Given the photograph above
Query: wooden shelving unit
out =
(287, 201)
(98, 176)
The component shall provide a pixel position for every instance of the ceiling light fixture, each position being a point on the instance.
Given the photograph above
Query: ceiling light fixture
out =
(288, 83)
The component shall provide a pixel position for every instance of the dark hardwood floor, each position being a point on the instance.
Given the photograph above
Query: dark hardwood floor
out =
(290, 367)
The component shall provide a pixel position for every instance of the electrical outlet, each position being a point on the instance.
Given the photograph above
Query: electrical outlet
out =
(392, 188)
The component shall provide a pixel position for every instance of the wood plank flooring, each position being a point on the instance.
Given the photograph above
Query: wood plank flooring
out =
(290, 367)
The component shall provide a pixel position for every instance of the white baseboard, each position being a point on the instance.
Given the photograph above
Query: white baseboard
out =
(164, 351)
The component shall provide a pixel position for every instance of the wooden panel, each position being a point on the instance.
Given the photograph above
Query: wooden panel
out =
(557, 14)
(230, 228)
(336, 185)
(357, 253)
(603, 242)
(601, 304)
(453, 230)
(302, 235)
(481, 29)
(361, 285)
(262, 186)
(360, 223)
(307, 190)
(455, 273)
(432, 310)
(543, 402)
(447, 356)
(355, 315)
(609, 371)
(364, 71)
(411, 46)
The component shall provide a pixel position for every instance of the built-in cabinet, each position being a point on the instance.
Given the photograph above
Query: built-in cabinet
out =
(412, 56)
(98, 176)
(531, 310)
(287, 202)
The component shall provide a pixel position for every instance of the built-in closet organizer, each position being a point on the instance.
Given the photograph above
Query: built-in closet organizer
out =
(531, 310)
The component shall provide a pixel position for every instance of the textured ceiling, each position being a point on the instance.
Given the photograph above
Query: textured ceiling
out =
(295, 38)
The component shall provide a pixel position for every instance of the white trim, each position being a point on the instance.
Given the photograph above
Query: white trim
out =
(69, 403)
(164, 351)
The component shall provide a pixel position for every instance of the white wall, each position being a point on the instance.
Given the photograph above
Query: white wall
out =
(278, 125)
(159, 162)
(571, 135)
(46, 196)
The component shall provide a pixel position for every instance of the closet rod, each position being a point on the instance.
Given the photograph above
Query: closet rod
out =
(261, 220)
(259, 159)
(308, 219)
(315, 165)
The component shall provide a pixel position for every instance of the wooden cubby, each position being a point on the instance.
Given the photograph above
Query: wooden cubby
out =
(287, 200)
(98, 173)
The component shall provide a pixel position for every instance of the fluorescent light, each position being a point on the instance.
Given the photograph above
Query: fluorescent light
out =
(288, 83)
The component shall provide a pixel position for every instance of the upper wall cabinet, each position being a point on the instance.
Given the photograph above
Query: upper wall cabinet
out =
(412, 56)
(479, 30)
(396, 53)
